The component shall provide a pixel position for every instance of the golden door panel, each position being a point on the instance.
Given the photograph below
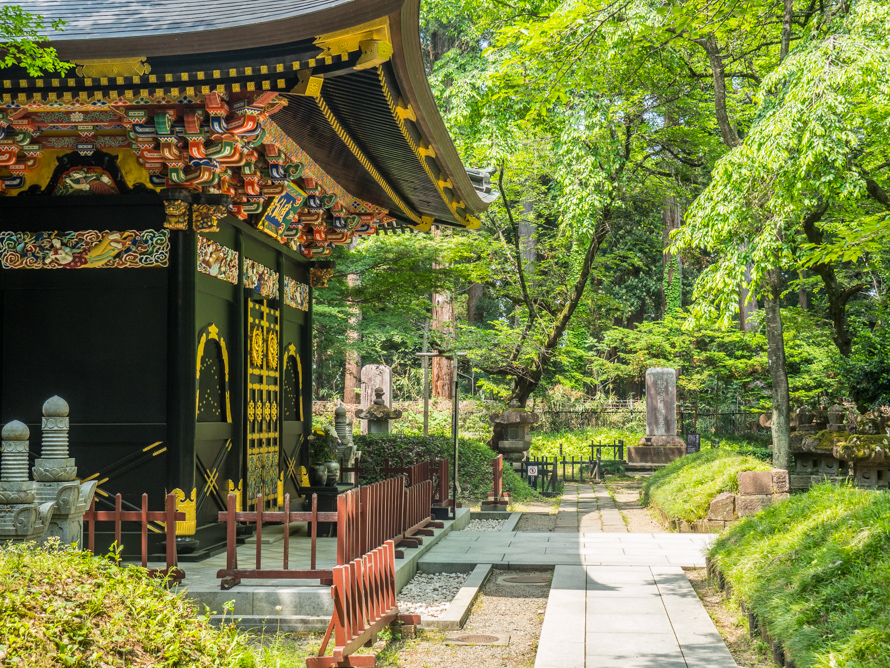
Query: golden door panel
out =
(262, 402)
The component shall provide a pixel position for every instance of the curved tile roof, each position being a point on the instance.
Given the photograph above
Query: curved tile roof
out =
(222, 39)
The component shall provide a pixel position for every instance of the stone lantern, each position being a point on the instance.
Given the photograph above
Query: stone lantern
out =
(56, 476)
(378, 414)
(22, 518)
(511, 432)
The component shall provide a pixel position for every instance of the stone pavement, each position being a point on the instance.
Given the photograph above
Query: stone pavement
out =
(627, 617)
(586, 511)
(617, 598)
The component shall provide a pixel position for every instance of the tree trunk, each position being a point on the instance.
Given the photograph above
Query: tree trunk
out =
(802, 297)
(837, 296)
(671, 268)
(442, 320)
(474, 295)
(352, 381)
(525, 384)
(747, 304)
(775, 339)
(718, 69)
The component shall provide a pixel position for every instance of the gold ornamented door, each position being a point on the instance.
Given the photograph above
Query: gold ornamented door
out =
(263, 357)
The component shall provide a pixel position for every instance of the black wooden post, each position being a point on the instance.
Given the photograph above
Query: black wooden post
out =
(182, 351)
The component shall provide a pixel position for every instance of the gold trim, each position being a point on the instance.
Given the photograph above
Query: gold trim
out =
(363, 159)
(238, 492)
(424, 151)
(307, 84)
(188, 505)
(342, 42)
(112, 67)
(212, 332)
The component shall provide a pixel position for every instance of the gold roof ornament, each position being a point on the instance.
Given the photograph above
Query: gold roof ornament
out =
(112, 67)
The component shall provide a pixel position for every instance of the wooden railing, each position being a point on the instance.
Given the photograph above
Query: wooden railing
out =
(232, 575)
(169, 516)
(364, 593)
(366, 518)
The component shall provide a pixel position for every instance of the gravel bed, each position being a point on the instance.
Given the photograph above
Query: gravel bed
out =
(485, 525)
(428, 594)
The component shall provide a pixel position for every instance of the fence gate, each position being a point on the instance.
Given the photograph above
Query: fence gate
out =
(263, 357)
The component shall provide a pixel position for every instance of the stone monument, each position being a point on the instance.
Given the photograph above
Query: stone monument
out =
(375, 376)
(56, 477)
(22, 518)
(346, 452)
(660, 445)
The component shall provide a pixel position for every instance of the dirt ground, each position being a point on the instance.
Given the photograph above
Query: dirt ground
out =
(748, 652)
(627, 498)
(514, 609)
(537, 516)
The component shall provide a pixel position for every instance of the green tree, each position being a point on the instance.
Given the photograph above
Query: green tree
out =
(21, 42)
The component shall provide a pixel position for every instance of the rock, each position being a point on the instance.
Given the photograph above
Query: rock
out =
(723, 507)
(781, 481)
(751, 505)
(753, 483)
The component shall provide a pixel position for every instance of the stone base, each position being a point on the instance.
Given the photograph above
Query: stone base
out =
(654, 454)
(662, 441)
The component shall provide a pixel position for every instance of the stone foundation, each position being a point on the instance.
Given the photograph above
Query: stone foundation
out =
(654, 454)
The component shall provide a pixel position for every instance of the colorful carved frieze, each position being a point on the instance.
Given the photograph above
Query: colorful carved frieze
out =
(217, 260)
(86, 249)
(259, 278)
(296, 294)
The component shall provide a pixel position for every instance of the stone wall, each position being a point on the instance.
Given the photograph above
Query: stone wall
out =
(757, 490)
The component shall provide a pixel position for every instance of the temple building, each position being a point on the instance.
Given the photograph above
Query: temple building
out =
(166, 208)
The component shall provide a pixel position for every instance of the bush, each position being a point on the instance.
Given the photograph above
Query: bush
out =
(576, 443)
(61, 607)
(815, 569)
(474, 461)
(685, 488)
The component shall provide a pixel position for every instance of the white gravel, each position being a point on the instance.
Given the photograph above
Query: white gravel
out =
(485, 525)
(428, 594)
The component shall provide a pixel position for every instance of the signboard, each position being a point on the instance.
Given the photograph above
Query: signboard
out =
(532, 471)
(281, 211)
(693, 443)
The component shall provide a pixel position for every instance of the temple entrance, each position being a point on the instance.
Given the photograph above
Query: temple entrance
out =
(262, 438)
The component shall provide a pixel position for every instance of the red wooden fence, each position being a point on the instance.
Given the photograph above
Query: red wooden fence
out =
(232, 574)
(366, 517)
(169, 517)
(364, 593)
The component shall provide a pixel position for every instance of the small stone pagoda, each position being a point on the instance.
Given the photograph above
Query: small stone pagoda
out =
(511, 429)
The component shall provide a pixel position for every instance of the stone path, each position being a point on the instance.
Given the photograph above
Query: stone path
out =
(617, 598)
(627, 617)
(586, 511)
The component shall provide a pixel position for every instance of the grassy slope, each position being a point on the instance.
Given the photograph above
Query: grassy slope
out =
(66, 608)
(816, 571)
(685, 488)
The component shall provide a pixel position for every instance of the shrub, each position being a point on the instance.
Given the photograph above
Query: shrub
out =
(576, 443)
(61, 607)
(685, 488)
(815, 570)
(474, 461)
